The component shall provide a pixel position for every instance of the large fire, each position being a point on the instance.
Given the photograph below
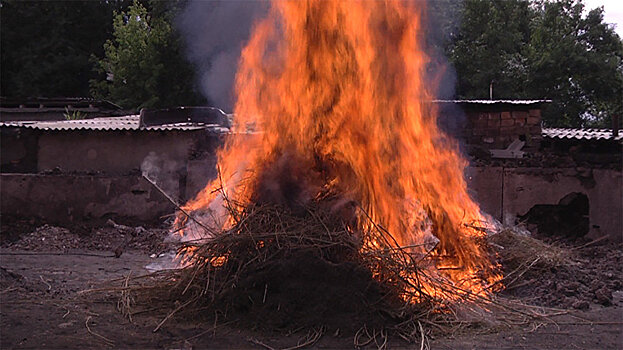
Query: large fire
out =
(333, 94)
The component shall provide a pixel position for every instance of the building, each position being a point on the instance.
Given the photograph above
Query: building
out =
(91, 170)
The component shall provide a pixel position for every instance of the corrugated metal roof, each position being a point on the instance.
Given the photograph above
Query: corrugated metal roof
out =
(492, 102)
(581, 134)
(130, 122)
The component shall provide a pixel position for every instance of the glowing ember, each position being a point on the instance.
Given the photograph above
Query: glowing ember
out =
(338, 91)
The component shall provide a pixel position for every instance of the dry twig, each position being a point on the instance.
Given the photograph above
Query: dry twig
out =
(106, 340)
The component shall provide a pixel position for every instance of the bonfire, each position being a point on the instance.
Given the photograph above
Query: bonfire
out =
(337, 193)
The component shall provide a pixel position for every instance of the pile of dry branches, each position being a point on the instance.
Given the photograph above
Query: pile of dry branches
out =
(284, 269)
(310, 267)
(280, 268)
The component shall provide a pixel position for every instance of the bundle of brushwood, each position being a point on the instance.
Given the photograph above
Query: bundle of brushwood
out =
(284, 268)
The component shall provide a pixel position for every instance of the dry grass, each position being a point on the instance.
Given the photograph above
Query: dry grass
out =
(524, 257)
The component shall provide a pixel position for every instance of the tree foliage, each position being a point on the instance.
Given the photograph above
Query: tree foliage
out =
(576, 61)
(549, 49)
(488, 48)
(46, 45)
(143, 64)
(541, 49)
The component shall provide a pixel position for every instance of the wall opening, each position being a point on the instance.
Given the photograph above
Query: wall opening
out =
(569, 218)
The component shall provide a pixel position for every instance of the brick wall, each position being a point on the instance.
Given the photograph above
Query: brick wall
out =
(497, 129)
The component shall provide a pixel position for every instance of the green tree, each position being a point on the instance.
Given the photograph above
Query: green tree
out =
(46, 45)
(489, 46)
(143, 64)
(576, 61)
(541, 49)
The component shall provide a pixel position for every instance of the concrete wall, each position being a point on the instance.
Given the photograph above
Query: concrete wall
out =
(199, 175)
(121, 192)
(181, 163)
(506, 193)
(485, 186)
(18, 151)
(72, 199)
(111, 152)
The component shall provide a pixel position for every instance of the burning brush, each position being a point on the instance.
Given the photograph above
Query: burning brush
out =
(337, 192)
(282, 268)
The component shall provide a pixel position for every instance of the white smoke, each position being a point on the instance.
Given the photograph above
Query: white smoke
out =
(215, 32)
(164, 172)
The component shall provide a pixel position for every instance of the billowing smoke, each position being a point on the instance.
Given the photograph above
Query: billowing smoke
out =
(438, 25)
(442, 26)
(164, 172)
(215, 32)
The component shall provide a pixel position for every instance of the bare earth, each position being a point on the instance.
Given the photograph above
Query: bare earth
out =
(41, 308)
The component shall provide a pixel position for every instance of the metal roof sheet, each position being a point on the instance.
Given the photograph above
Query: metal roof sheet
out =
(130, 123)
(492, 102)
(581, 134)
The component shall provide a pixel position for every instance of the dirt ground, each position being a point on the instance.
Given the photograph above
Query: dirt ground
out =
(41, 307)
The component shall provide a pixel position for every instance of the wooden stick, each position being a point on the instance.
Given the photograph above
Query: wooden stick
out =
(174, 202)
(592, 242)
(171, 314)
(257, 342)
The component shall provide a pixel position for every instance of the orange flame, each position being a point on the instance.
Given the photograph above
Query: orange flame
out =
(340, 85)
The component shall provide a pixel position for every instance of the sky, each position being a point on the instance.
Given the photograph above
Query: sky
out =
(613, 12)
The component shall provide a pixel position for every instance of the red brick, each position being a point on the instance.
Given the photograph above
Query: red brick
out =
(534, 113)
(494, 116)
(508, 130)
(520, 114)
(480, 132)
(479, 124)
(487, 132)
(483, 116)
(534, 120)
(507, 122)
(520, 121)
(506, 115)
(535, 130)
(493, 132)
(494, 123)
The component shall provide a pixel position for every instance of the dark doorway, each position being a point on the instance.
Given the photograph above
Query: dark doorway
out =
(568, 218)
